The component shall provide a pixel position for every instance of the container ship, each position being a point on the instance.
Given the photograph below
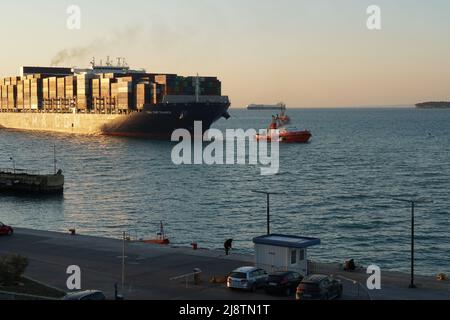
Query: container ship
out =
(279, 106)
(110, 99)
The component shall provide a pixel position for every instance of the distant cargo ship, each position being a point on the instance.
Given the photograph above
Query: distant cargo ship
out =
(434, 105)
(279, 106)
(109, 100)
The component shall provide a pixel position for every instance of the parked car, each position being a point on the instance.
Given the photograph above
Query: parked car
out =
(247, 278)
(89, 295)
(285, 282)
(6, 230)
(319, 287)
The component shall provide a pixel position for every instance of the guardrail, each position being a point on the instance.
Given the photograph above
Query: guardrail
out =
(194, 275)
(358, 290)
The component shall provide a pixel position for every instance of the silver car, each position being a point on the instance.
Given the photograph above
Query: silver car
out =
(247, 278)
(92, 295)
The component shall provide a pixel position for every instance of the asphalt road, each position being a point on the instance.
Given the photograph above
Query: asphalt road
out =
(149, 268)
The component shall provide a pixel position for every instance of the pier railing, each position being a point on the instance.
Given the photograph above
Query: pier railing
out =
(355, 289)
(352, 288)
(194, 276)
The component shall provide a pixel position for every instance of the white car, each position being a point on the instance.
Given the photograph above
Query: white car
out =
(247, 278)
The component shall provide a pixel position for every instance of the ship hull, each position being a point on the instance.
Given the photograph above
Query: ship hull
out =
(157, 121)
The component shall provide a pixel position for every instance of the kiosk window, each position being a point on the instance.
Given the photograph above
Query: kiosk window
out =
(294, 257)
(302, 255)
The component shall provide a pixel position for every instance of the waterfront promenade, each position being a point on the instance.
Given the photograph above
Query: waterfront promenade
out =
(149, 268)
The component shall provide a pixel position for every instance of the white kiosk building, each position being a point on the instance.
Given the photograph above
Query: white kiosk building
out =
(283, 253)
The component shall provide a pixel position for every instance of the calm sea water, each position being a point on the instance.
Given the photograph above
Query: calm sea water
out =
(339, 187)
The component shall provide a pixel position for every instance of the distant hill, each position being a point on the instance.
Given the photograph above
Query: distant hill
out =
(434, 105)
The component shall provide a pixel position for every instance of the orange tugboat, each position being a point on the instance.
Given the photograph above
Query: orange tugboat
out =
(277, 131)
(286, 136)
(161, 237)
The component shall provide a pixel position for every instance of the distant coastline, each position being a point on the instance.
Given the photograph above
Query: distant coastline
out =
(434, 105)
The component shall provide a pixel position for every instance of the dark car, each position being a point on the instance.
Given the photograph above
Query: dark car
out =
(285, 282)
(319, 287)
(89, 295)
(6, 230)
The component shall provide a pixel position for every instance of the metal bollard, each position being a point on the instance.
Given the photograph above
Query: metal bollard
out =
(197, 277)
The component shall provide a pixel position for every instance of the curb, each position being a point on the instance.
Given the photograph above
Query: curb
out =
(46, 285)
(15, 294)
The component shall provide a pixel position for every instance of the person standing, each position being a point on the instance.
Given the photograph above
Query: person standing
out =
(228, 246)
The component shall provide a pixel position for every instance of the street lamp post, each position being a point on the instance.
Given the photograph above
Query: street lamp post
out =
(268, 194)
(54, 158)
(123, 261)
(413, 203)
(14, 164)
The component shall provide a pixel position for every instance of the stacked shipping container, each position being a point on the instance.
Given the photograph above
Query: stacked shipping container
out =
(52, 87)
(106, 92)
(60, 88)
(175, 85)
(36, 93)
(45, 89)
(20, 96)
(27, 94)
(12, 91)
(84, 92)
(143, 95)
(125, 99)
(71, 87)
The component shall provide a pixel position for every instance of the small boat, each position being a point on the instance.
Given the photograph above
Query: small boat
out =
(285, 136)
(23, 182)
(161, 237)
(27, 182)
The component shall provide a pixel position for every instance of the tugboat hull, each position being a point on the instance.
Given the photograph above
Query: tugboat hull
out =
(287, 137)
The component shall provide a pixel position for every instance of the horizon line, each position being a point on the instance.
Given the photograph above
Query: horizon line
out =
(387, 106)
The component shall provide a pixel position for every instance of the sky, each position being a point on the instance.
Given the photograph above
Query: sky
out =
(305, 53)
